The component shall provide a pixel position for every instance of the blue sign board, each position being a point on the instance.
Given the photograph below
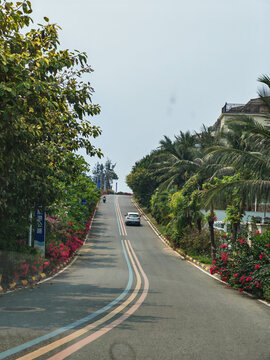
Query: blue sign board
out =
(84, 202)
(39, 235)
(98, 184)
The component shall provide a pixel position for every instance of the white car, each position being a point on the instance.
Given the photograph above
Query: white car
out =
(133, 218)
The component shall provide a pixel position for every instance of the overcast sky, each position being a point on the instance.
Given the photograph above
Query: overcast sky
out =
(162, 66)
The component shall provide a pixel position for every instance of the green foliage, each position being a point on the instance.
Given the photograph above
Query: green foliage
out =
(244, 266)
(196, 243)
(160, 206)
(143, 185)
(82, 189)
(185, 208)
(210, 216)
(44, 116)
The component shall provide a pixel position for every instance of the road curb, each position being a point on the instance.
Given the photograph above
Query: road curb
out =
(34, 280)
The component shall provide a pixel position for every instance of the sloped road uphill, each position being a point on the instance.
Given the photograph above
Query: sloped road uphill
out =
(128, 296)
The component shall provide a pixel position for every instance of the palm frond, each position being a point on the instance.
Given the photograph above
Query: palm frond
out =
(254, 188)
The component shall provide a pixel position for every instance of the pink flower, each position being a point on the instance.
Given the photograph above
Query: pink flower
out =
(262, 256)
(268, 245)
(249, 278)
(235, 275)
(223, 246)
(257, 266)
(240, 289)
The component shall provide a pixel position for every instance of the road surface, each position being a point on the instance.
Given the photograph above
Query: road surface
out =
(128, 296)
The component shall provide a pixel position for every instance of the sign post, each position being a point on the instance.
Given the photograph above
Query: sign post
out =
(39, 235)
(84, 204)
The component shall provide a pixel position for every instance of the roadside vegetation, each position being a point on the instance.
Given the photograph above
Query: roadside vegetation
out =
(46, 113)
(184, 180)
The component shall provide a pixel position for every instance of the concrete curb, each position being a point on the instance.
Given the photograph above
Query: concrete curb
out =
(34, 280)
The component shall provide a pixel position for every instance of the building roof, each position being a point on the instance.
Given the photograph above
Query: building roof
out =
(254, 106)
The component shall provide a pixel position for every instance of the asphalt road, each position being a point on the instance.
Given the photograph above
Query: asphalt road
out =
(128, 296)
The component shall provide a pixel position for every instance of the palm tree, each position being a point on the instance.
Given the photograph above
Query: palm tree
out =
(245, 150)
(177, 160)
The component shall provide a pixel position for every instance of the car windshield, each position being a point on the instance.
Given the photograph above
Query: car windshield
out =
(133, 215)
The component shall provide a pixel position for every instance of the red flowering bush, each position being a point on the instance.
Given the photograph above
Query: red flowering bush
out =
(64, 240)
(244, 266)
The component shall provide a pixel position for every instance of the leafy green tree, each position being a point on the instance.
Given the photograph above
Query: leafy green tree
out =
(143, 184)
(44, 113)
(81, 197)
(160, 206)
(142, 180)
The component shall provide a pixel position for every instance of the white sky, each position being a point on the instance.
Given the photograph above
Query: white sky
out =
(162, 66)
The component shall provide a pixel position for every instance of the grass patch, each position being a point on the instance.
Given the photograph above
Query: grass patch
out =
(202, 259)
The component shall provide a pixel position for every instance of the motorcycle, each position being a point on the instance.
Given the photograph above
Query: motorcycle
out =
(104, 199)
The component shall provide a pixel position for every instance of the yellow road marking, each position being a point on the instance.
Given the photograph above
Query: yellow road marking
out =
(124, 231)
(43, 350)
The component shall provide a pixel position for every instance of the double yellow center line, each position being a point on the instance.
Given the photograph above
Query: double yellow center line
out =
(122, 227)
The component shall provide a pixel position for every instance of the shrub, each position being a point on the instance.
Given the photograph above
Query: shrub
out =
(244, 266)
(195, 242)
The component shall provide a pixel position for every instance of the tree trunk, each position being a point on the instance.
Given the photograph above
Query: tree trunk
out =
(212, 237)
(189, 220)
(199, 224)
(234, 231)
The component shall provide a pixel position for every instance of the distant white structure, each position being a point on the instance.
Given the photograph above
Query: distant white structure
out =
(255, 109)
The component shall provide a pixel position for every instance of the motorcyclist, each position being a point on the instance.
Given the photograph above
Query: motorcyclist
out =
(104, 198)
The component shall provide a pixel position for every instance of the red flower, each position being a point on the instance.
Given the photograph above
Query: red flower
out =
(213, 269)
(235, 275)
(257, 266)
(224, 235)
(241, 241)
(214, 262)
(240, 289)
(268, 245)
(262, 256)
(223, 246)
(224, 257)
(248, 278)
